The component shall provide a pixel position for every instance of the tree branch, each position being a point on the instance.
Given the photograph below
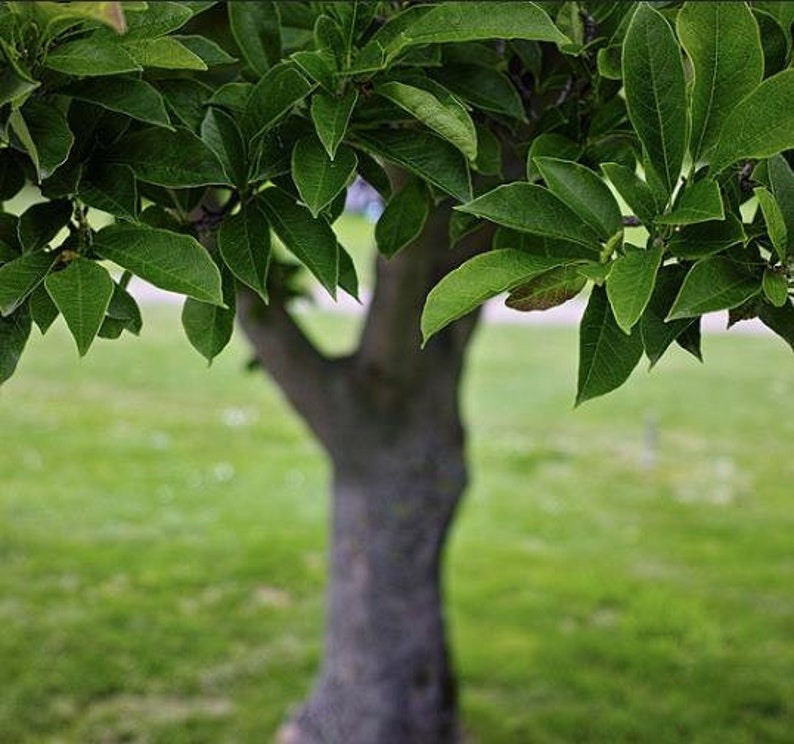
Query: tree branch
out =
(309, 380)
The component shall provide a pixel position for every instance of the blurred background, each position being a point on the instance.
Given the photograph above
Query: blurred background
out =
(620, 572)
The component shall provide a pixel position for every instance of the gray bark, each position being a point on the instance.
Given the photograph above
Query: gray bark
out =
(389, 419)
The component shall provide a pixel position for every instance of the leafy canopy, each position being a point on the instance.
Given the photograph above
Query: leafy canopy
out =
(641, 150)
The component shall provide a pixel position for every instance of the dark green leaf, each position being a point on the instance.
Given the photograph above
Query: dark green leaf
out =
(50, 132)
(331, 115)
(319, 65)
(759, 125)
(19, 127)
(110, 188)
(90, 58)
(532, 209)
(553, 146)
(630, 284)
(177, 159)
(706, 238)
(403, 219)
(476, 281)
(135, 98)
(425, 155)
(178, 263)
(124, 308)
(14, 333)
(208, 327)
(584, 192)
(714, 283)
(244, 242)
(483, 87)
(221, 133)
(42, 309)
(635, 192)
(470, 21)
(40, 223)
(689, 339)
(781, 181)
(607, 356)
(437, 109)
(256, 28)
(273, 97)
(348, 278)
(653, 77)
(82, 293)
(207, 50)
(774, 285)
(19, 277)
(778, 319)
(12, 177)
(188, 99)
(722, 42)
(318, 178)
(548, 290)
(699, 202)
(233, 97)
(775, 222)
(374, 174)
(311, 241)
(658, 334)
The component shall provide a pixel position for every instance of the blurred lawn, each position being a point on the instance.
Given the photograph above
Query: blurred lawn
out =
(162, 536)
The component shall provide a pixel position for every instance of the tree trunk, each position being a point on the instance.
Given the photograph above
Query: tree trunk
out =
(389, 419)
(386, 676)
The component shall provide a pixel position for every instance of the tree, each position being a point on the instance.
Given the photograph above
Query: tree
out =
(500, 135)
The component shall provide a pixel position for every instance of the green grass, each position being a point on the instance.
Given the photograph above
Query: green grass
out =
(162, 537)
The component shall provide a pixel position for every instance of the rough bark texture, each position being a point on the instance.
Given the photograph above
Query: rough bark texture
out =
(389, 418)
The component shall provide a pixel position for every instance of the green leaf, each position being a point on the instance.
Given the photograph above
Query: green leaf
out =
(233, 97)
(111, 188)
(483, 87)
(311, 241)
(775, 287)
(19, 277)
(13, 88)
(425, 155)
(207, 50)
(630, 285)
(256, 28)
(40, 223)
(209, 328)
(403, 219)
(760, 125)
(90, 58)
(244, 242)
(584, 192)
(778, 319)
(221, 133)
(548, 290)
(320, 66)
(50, 132)
(318, 178)
(14, 333)
(12, 177)
(443, 114)
(658, 334)
(706, 238)
(187, 99)
(159, 19)
(178, 263)
(471, 21)
(607, 356)
(553, 146)
(476, 281)
(714, 283)
(775, 222)
(635, 192)
(43, 310)
(20, 128)
(82, 293)
(653, 77)
(177, 159)
(781, 181)
(273, 97)
(164, 53)
(532, 209)
(331, 115)
(700, 202)
(348, 278)
(722, 42)
(124, 308)
(374, 174)
(134, 98)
